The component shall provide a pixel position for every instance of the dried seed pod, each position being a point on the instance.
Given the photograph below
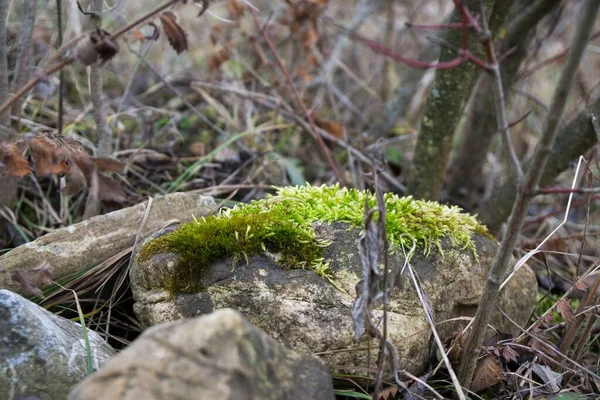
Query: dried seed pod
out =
(97, 45)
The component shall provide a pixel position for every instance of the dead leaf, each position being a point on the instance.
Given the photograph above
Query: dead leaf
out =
(389, 393)
(110, 190)
(309, 37)
(581, 285)
(537, 343)
(217, 59)
(175, 33)
(487, 373)
(236, 9)
(335, 128)
(12, 159)
(105, 46)
(97, 45)
(563, 307)
(509, 354)
(46, 158)
(108, 164)
(551, 379)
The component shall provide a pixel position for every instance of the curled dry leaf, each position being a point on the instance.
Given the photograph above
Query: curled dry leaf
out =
(97, 45)
(12, 161)
(175, 33)
(488, 373)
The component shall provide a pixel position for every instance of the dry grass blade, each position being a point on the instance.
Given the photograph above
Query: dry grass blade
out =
(175, 34)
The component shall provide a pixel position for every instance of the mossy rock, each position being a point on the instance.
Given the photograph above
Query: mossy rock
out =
(299, 287)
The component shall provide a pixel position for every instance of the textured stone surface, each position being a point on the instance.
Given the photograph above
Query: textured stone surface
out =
(42, 354)
(217, 356)
(307, 313)
(90, 242)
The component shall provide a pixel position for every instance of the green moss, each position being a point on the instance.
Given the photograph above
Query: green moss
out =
(281, 224)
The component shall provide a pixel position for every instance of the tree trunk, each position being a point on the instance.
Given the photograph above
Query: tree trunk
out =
(447, 99)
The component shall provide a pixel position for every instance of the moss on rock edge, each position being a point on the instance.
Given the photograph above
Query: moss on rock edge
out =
(282, 224)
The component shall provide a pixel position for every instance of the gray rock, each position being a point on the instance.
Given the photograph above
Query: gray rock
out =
(309, 314)
(41, 354)
(218, 356)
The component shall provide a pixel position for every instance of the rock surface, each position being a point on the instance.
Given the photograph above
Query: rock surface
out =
(217, 356)
(307, 313)
(90, 242)
(41, 354)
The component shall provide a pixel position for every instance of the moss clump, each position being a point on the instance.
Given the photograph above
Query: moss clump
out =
(282, 224)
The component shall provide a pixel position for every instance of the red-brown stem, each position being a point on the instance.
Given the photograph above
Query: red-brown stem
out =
(536, 220)
(519, 120)
(552, 59)
(290, 82)
(464, 55)
(559, 190)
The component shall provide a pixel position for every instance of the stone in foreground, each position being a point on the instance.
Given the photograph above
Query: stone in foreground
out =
(41, 354)
(217, 356)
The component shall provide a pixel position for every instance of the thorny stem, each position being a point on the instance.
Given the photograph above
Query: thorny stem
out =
(69, 60)
(499, 265)
(307, 113)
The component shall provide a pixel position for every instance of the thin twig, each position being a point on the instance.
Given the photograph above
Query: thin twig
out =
(499, 100)
(61, 74)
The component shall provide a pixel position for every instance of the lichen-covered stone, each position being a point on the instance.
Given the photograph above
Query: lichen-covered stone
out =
(42, 354)
(283, 225)
(312, 314)
(217, 356)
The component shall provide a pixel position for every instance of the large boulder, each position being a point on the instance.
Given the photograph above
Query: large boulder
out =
(309, 309)
(41, 354)
(217, 356)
